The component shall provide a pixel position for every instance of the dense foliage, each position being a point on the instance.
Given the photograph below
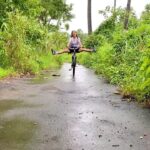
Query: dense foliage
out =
(123, 57)
(28, 32)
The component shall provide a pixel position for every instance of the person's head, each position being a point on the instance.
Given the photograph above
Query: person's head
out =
(74, 34)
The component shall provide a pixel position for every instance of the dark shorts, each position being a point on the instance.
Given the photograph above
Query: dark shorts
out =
(71, 49)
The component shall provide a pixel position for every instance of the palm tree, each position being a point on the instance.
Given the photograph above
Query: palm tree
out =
(89, 17)
(127, 15)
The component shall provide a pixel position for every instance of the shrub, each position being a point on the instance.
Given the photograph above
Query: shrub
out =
(123, 58)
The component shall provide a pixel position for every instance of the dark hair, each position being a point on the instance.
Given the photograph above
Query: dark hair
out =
(72, 33)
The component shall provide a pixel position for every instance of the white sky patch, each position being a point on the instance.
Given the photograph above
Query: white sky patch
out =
(80, 11)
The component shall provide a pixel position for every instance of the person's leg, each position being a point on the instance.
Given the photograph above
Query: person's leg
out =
(85, 50)
(65, 50)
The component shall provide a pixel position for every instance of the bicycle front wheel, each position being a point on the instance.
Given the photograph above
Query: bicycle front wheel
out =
(73, 68)
(73, 65)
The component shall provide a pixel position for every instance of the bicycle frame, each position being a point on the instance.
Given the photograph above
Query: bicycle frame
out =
(74, 58)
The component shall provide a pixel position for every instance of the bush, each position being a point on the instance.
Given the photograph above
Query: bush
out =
(123, 58)
(25, 44)
(17, 52)
(6, 72)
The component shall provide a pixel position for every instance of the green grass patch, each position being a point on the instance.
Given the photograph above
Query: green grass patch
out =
(15, 134)
(48, 61)
(6, 72)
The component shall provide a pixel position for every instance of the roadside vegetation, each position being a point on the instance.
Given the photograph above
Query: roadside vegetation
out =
(27, 34)
(123, 56)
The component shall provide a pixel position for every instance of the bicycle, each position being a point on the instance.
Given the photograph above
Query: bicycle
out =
(74, 59)
(73, 50)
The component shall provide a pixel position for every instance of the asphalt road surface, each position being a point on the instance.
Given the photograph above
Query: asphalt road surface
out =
(83, 113)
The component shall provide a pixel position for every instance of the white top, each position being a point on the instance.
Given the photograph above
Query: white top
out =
(74, 42)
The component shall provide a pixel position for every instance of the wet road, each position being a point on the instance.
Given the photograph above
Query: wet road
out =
(78, 114)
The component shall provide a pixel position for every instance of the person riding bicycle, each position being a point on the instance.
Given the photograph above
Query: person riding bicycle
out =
(74, 42)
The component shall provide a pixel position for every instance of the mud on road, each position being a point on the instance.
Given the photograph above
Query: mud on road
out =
(71, 114)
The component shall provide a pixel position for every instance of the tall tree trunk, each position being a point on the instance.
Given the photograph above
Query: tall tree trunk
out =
(114, 12)
(127, 15)
(89, 16)
(115, 3)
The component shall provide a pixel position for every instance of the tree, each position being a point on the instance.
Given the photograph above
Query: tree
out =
(89, 17)
(145, 17)
(115, 3)
(67, 26)
(128, 9)
(30, 8)
(56, 10)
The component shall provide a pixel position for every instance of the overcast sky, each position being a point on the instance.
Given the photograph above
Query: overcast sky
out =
(80, 11)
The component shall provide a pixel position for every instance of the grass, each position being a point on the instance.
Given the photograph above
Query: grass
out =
(45, 61)
(6, 72)
(15, 134)
(48, 61)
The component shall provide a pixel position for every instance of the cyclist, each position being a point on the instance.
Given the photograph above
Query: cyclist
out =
(74, 42)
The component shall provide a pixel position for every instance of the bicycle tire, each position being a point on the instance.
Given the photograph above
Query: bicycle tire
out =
(73, 68)
(73, 65)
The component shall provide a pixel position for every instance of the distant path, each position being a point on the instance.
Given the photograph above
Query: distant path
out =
(78, 114)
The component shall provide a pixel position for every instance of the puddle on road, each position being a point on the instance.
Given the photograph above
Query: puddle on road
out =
(6, 105)
(16, 133)
(45, 76)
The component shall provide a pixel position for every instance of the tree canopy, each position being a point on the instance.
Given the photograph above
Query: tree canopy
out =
(43, 10)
